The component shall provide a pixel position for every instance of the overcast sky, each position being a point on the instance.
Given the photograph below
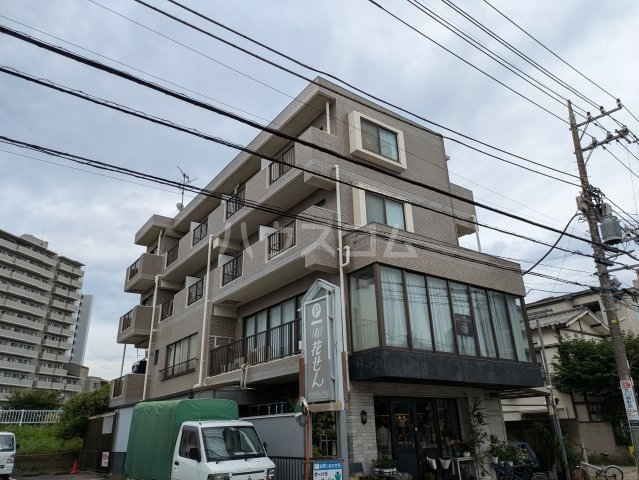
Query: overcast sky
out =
(92, 215)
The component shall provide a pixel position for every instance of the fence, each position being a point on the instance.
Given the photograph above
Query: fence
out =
(29, 416)
(288, 468)
(46, 462)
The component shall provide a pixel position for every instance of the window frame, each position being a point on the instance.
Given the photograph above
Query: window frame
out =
(357, 147)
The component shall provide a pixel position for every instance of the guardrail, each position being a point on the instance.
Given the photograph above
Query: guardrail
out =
(29, 416)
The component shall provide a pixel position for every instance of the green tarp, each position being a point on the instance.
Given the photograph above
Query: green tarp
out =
(154, 430)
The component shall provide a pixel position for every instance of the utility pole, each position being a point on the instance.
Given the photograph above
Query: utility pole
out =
(589, 206)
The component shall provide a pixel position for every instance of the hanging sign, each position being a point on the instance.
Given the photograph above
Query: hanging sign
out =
(318, 355)
(628, 393)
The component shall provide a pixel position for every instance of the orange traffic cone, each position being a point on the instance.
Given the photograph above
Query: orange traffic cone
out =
(75, 467)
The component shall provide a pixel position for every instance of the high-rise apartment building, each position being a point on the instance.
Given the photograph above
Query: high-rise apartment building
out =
(79, 344)
(39, 302)
(344, 191)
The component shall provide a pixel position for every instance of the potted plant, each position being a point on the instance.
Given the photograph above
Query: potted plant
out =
(495, 448)
(387, 465)
(513, 455)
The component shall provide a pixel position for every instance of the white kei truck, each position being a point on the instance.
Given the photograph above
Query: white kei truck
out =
(194, 439)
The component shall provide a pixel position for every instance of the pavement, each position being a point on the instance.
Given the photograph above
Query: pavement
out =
(71, 476)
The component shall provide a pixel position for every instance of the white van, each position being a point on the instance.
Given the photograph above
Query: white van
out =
(7, 454)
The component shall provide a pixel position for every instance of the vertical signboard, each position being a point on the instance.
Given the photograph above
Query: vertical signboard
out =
(318, 354)
(630, 403)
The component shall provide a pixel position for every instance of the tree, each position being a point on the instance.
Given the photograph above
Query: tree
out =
(587, 367)
(79, 408)
(34, 399)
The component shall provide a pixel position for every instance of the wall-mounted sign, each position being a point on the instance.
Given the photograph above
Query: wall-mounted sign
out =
(318, 354)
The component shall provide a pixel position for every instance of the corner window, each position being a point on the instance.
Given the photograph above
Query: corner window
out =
(385, 211)
(376, 142)
(379, 140)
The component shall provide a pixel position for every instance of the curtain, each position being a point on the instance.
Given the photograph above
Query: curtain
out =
(275, 320)
(519, 329)
(395, 214)
(442, 322)
(421, 335)
(369, 136)
(502, 329)
(396, 332)
(364, 324)
(482, 318)
(374, 208)
(465, 326)
(388, 144)
(288, 315)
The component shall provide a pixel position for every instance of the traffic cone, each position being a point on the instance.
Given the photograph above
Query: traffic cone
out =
(75, 467)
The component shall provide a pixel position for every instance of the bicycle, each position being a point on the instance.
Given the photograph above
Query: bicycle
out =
(609, 472)
(524, 472)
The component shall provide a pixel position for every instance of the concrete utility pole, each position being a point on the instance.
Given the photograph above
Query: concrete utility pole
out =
(589, 206)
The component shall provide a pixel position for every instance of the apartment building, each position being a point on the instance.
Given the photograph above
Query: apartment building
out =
(39, 296)
(429, 326)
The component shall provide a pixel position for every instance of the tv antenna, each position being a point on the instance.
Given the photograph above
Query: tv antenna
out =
(186, 180)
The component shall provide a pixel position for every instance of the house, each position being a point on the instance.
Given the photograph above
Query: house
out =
(347, 192)
(40, 293)
(574, 315)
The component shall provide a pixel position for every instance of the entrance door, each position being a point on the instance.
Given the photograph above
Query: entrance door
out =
(421, 428)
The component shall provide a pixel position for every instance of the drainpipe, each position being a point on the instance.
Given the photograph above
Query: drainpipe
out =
(344, 259)
(474, 219)
(205, 324)
(151, 330)
(328, 118)
(122, 365)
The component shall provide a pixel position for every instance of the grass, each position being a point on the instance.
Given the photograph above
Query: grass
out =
(41, 439)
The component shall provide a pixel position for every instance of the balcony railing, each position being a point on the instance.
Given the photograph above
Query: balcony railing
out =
(234, 203)
(127, 318)
(179, 369)
(232, 270)
(199, 232)
(281, 240)
(167, 310)
(271, 344)
(134, 269)
(195, 292)
(172, 255)
(277, 169)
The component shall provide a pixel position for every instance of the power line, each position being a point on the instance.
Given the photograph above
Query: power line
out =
(459, 57)
(323, 73)
(261, 206)
(251, 123)
(557, 56)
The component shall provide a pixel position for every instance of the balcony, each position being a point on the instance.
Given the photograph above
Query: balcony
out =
(68, 306)
(464, 212)
(65, 332)
(25, 265)
(58, 317)
(25, 279)
(19, 336)
(70, 269)
(72, 282)
(20, 352)
(189, 255)
(71, 387)
(276, 260)
(140, 276)
(275, 343)
(53, 357)
(23, 293)
(17, 319)
(277, 169)
(58, 372)
(135, 326)
(65, 292)
(17, 366)
(61, 344)
(17, 382)
(35, 255)
(22, 306)
(126, 390)
(150, 231)
(48, 385)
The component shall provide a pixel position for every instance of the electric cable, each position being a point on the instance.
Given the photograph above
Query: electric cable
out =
(326, 74)
(192, 101)
(260, 206)
(554, 245)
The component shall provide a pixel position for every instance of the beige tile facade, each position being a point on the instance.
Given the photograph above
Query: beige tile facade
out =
(307, 196)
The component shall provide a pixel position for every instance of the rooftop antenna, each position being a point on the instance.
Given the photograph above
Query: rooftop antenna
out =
(186, 180)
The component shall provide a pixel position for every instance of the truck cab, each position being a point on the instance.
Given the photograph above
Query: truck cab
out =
(220, 450)
(7, 454)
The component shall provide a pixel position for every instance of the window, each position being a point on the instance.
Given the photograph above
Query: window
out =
(376, 142)
(189, 444)
(419, 312)
(379, 140)
(180, 357)
(385, 211)
(364, 310)
(195, 292)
